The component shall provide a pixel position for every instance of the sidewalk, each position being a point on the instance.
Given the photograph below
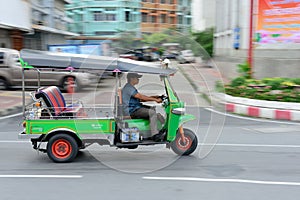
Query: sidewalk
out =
(11, 102)
(204, 78)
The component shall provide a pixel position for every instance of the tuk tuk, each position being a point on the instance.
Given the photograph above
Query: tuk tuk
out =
(61, 130)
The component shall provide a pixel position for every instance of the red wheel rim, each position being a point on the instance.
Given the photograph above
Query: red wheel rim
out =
(184, 145)
(61, 148)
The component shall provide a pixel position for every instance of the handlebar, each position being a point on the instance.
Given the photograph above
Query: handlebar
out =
(165, 100)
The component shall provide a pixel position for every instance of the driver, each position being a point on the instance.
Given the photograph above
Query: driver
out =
(134, 108)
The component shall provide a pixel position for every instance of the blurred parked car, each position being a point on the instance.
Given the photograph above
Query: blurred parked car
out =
(11, 74)
(186, 56)
(170, 55)
(130, 55)
(142, 54)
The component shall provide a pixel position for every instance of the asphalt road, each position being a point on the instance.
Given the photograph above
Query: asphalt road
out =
(237, 158)
(253, 159)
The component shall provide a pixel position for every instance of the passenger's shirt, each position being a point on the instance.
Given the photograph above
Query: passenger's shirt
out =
(130, 103)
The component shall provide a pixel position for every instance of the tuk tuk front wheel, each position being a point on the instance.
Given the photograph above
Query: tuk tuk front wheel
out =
(187, 146)
(62, 148)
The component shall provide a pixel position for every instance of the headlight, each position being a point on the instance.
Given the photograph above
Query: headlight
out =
(178, 111)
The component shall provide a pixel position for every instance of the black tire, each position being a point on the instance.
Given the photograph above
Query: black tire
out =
(132, 147)
(62, 148)
(66, 83)
(3, 84)
(187, 148)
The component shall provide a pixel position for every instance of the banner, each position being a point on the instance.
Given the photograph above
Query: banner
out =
(278, 21)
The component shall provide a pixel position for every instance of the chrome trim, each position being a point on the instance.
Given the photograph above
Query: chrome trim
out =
(178, 111)
(98, 137)
(28, 136)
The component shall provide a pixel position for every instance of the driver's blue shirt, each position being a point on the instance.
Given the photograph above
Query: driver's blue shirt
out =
(130, 103)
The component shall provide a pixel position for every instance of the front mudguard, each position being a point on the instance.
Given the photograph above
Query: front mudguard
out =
(185, 118)
(175, 122)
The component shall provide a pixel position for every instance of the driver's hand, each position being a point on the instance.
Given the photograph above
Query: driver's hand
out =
(158, 100)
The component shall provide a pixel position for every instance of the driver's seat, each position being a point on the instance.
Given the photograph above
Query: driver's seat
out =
(120, 107)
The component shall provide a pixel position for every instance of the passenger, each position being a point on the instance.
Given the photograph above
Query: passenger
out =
(134, 108)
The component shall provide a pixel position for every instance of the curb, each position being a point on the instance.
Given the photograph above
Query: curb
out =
(259, 108)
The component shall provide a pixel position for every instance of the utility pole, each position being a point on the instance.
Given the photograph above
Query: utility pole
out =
(250, 49)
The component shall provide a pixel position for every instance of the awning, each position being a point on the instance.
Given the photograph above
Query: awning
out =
(53, 30)
(8, 26)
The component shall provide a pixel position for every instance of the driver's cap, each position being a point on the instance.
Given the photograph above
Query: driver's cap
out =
(134, 75)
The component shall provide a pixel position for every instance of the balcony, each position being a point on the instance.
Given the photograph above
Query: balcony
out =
(171, 7)
(148, 5)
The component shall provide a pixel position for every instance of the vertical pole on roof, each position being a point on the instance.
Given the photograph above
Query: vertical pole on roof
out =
(23, 91)
(250, 50)
(116, 95)
(39, 78)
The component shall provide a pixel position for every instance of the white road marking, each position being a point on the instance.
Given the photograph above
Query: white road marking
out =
(41, 176)
(14, 141)
(224, 180)
(254, 145)
(10, 116)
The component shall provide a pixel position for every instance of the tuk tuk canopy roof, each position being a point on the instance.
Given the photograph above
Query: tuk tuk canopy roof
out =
(45, 59)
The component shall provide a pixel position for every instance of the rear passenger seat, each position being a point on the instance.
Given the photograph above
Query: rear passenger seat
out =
(56, 103)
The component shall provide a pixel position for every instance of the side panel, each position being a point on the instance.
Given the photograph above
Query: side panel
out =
(79, 126)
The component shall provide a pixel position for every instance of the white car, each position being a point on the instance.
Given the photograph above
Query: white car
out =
(186, 56)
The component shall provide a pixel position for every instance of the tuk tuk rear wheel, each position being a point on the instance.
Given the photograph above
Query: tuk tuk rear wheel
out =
(62, 148)
(186, 147)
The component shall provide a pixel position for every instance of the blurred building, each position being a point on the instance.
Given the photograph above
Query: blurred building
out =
(158, 15)
(184, 15)
(33, 24)
(49, 24)
(276, 37)
(165, 14)
(104, 19)
(203, 14)
(14, 22)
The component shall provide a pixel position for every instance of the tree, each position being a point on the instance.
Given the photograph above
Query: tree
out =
(155, 38)
(205, 39)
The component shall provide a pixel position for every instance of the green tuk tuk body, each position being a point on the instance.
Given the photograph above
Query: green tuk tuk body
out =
(66, 133)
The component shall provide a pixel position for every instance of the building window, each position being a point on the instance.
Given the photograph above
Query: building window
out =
(163, 18)
(127, 16)
(144, 17)
(179, 19)
(101, 16)
(153, 19)
(189, 21)
(163, 1)
(104, 33)
(98, 16)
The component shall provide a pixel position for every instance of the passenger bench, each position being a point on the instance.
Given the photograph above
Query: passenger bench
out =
(56, 103)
